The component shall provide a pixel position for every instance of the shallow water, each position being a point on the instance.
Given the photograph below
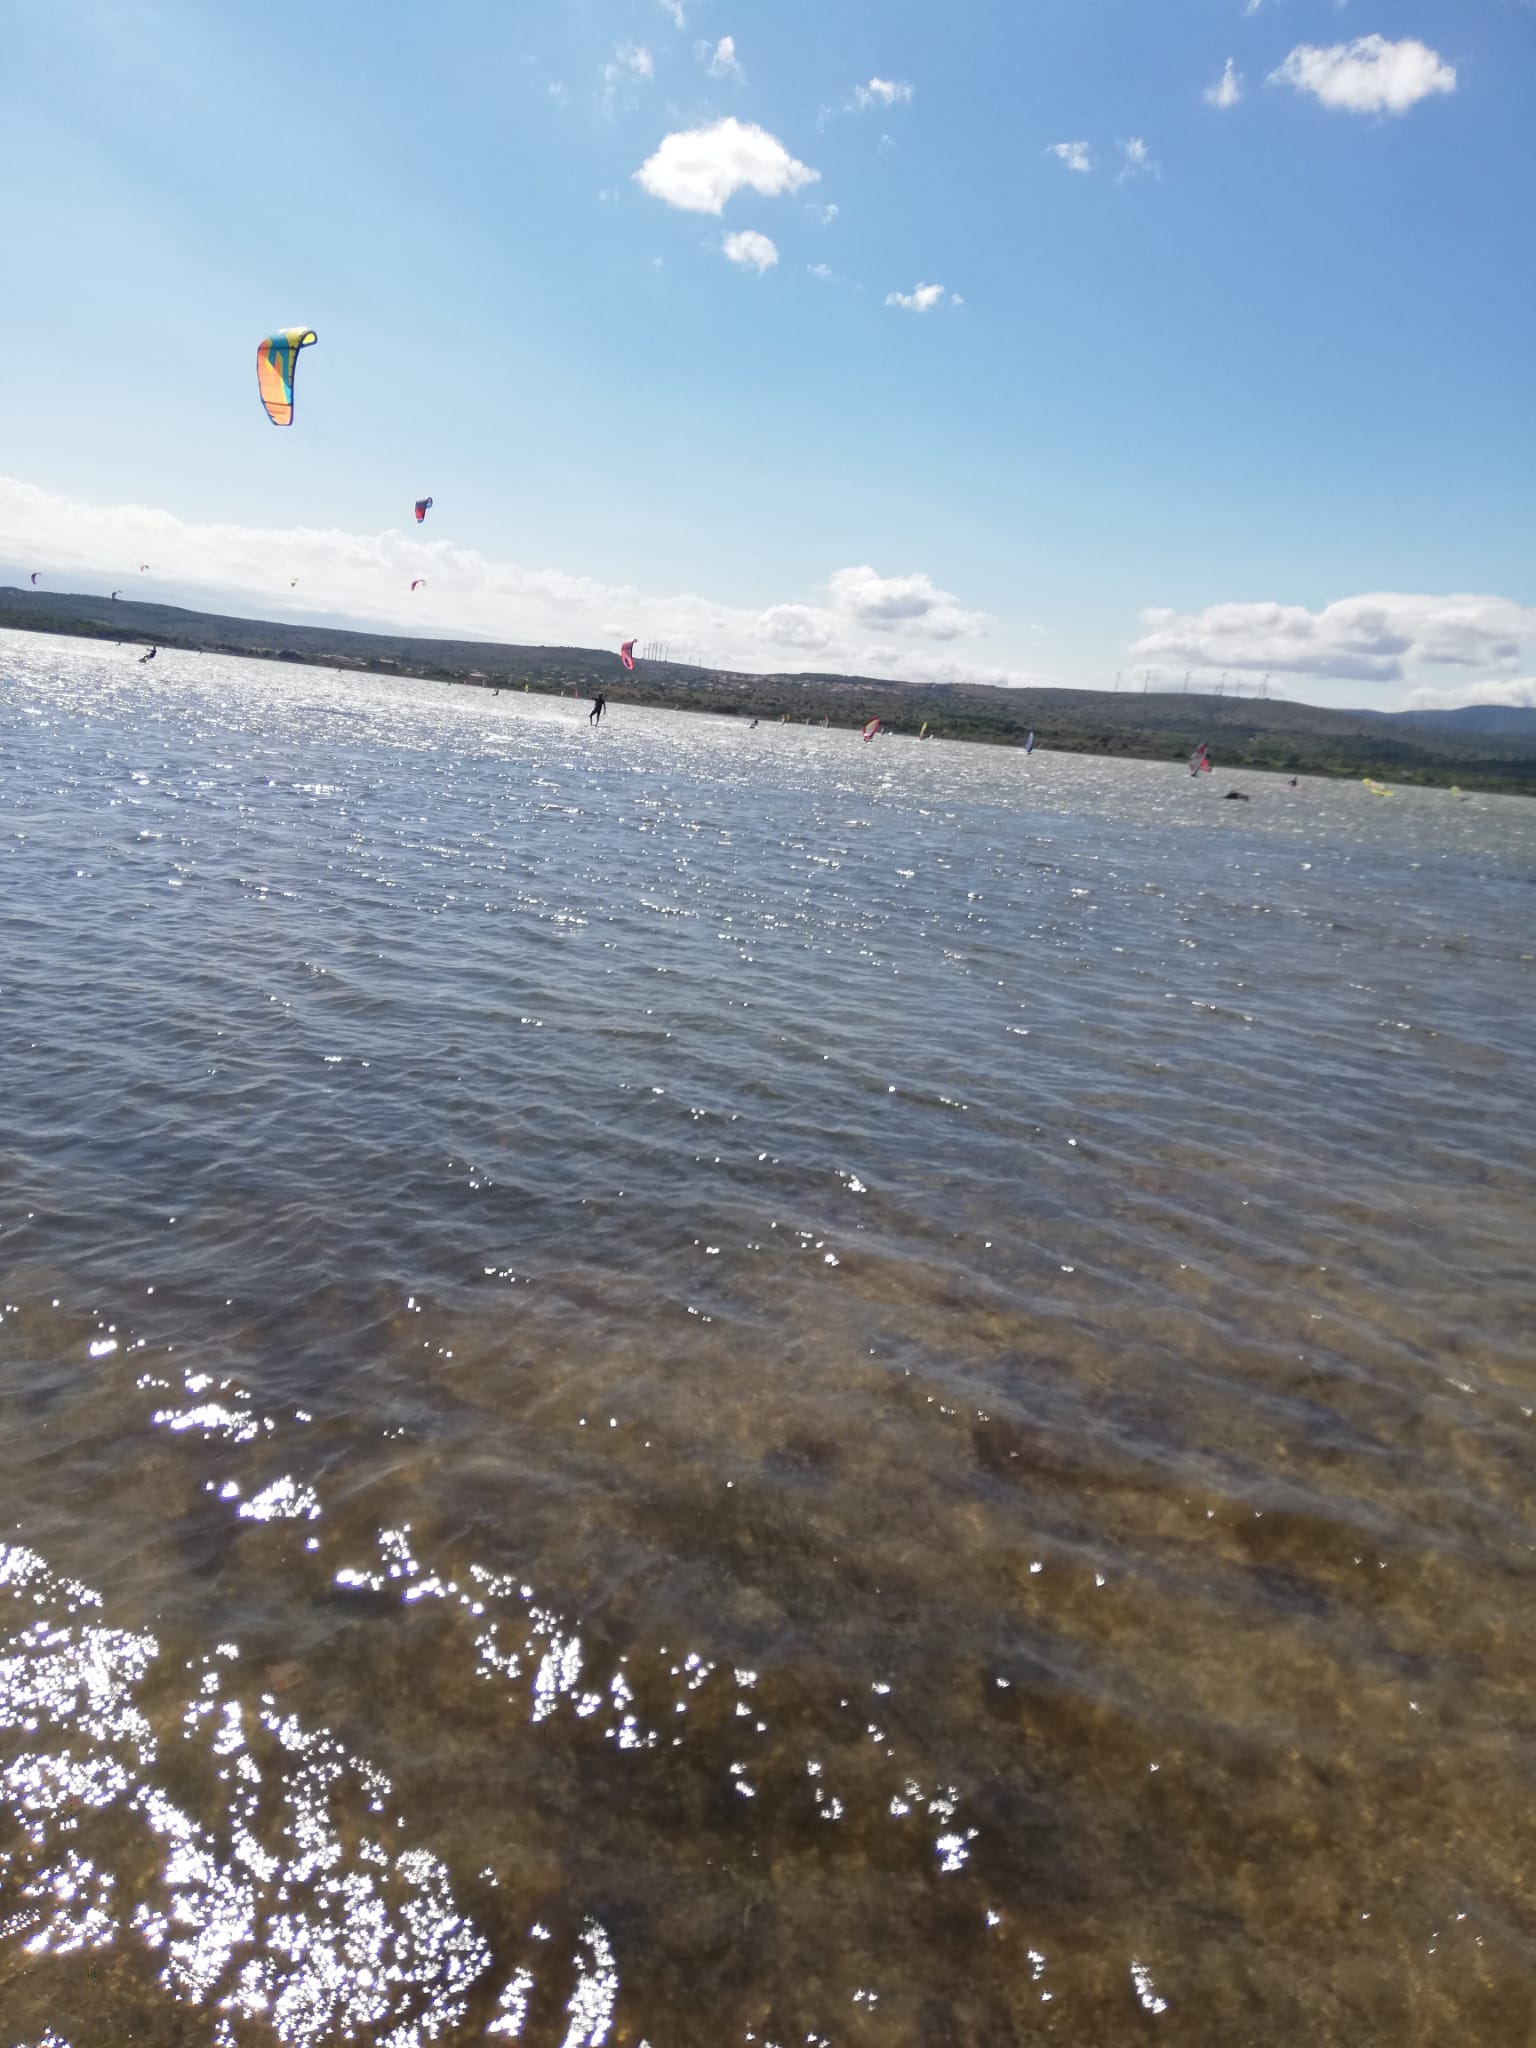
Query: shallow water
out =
(699, 1386)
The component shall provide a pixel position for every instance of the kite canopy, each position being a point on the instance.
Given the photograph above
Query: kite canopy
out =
(423, 507)
(276, 360)
(627, 654)
(418, 582)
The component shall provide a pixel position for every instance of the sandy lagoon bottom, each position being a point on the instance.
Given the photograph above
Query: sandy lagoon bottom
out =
(695, 1387)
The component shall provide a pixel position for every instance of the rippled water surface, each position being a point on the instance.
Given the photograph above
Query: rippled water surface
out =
(701, 1386)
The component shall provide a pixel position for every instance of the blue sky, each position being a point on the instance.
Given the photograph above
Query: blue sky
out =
(1251, 391)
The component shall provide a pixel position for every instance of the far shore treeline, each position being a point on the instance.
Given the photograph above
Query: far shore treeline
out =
(1262, 733)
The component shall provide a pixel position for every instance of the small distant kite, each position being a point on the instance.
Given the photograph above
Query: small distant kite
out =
(35, 574)
(420, 580)
(423, 507)
(293, 582)
(626, 653)
(872, 728)
(116, 595)
(143, 568)
(276, 360)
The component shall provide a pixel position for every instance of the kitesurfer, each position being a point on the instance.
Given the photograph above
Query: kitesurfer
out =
(599, 706)
(150, 656)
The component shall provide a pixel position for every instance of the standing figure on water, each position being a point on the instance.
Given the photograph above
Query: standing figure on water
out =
(599, 706)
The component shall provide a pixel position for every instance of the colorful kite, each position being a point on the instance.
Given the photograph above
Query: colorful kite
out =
(276, 360)
(627, 654)
(35, 574)
(420, 580)
(423, 507)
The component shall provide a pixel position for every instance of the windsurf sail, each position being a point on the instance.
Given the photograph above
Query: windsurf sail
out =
(872, 728)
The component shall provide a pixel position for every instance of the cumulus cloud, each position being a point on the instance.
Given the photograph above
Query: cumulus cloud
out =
(1075, 155)
(1518, 692)
(923, 298)
(1139, 161)
(1369, 76)
(796, 625)
(674, 8)
(751, 250)
(1381, 638)
(901, 601)
(861, 623)
(822, 270)
(722, 60)
(699, 169)
(1227, 90)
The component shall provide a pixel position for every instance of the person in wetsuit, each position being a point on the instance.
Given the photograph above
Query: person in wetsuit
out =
(599, 706)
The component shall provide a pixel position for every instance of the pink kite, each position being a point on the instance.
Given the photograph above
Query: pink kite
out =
(627, 654)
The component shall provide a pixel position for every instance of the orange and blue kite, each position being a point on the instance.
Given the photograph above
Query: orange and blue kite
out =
(276, 360)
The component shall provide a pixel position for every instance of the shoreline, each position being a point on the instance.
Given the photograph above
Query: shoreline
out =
(1268, 736)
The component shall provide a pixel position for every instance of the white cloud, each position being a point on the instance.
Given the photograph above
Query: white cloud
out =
(1075, 155)
(722, 59)
(826, 214)
(1380, 638)
(631, 64)
(822, 270)
(1227, 90)
(880, 92)
(901, 601)
(699, 169)
(751, 250)
(923, 298)
(862, 623)
(1518, 691)
(1370, 76)
(796, 625)
(675, 9)
(1139, 162)
(637, 59)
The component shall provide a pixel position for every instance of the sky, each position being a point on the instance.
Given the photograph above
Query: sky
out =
(1017, 341)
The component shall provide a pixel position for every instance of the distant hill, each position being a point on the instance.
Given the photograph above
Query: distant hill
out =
(1272, 733)
(1516, 721)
